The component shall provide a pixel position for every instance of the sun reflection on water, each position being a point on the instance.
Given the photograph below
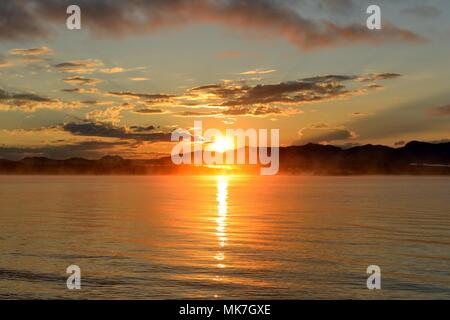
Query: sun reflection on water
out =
(222, 211)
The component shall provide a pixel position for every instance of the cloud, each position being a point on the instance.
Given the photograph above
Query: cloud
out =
(138, 79)
(361, 114)
(31, 52)
(142, 129)
(97, 102)
(423, 11)
(268, 17)
(79, 66)
(148, 98)
(86, 149)
(240, 98)
(341, 6)
(441, 111)
(292, 92)
(379, 76)
(81, 81)
(29, 102)
(89, 66)
(4, 95)
(110, 115)
(323, 133)
(255, 111)
(199, 114)
(149, 111)
(439, 141)
(5, 63)
(111, 131)
(112, 70)
(82, 90)
(374, 86)
(258, 71)
(33, 59)
(329, 78)
(18, 22)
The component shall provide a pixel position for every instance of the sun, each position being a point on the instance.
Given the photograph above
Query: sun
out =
(222, 144)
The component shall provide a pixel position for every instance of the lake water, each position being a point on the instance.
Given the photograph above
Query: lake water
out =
(164, 237)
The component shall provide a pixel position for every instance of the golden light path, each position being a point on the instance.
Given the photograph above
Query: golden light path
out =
(222, 210)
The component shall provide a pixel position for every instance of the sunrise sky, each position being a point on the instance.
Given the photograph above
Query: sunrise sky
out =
(139, 69)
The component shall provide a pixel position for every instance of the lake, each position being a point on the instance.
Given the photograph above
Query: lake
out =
(224, 237)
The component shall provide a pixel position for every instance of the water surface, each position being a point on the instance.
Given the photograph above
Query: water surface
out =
(165, 237)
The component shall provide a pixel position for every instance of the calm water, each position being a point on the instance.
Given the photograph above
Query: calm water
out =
(224, 237)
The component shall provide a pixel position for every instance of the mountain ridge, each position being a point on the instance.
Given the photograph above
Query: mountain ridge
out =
(415, 157)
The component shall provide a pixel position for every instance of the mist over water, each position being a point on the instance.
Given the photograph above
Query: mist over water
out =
(165, 237)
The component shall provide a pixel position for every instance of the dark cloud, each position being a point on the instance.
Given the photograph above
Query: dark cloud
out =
(5, 95)
(81, 81)
(95, 102)
(35, 18)
(142, 129)
(292, 92)
(26, 101)
(312, 89)
(441, 111)
(81, 90)
(149, 111)
(238, 98)
(18, 22)
(374, 86)
(110, 131)
(79, 66)
(329, 78)
(148, 98)
(322, 133)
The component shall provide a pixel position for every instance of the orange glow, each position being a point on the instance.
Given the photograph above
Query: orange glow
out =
(222, 144)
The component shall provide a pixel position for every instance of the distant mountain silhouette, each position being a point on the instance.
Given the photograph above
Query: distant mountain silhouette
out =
(417, 158)
(414, 158)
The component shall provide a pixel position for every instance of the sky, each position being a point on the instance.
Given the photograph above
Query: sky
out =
(137, 70)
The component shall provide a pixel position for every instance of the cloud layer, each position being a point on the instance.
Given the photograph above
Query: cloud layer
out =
(239, 98)
(110, 131)
(323, 133)
(121, 18)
